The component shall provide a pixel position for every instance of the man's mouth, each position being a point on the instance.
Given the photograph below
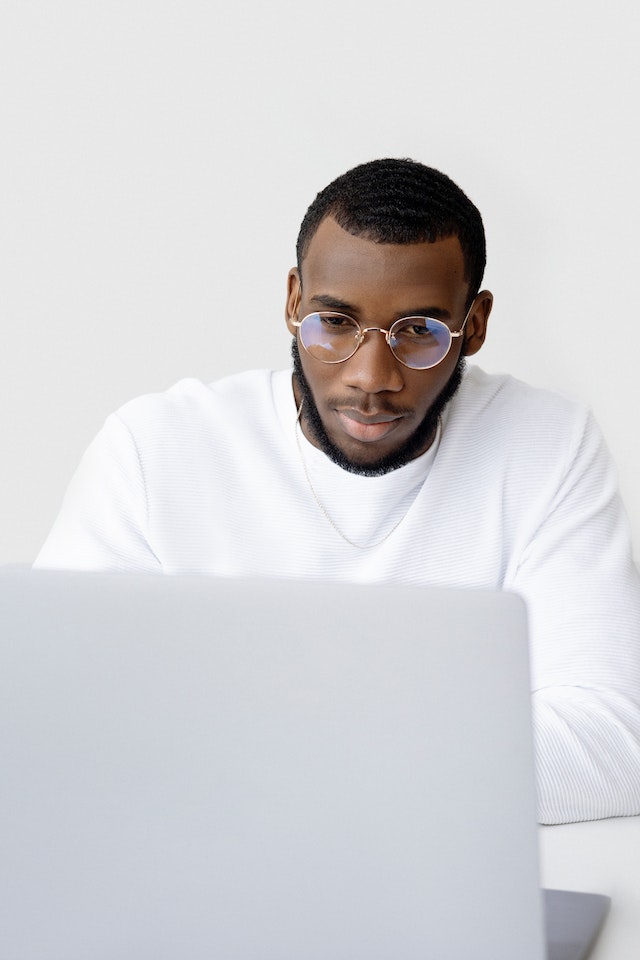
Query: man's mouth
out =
(368, 427)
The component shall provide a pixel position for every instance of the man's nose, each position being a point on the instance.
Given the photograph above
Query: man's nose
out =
(373, 368)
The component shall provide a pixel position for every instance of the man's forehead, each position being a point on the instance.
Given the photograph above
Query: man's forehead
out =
(334, 253)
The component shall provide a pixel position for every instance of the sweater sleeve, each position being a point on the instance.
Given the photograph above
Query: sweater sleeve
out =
(584, 607)
(103, 521)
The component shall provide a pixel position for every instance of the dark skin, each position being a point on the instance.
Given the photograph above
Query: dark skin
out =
(372, 405)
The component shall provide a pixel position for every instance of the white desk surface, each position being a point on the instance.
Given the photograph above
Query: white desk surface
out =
(600, 857)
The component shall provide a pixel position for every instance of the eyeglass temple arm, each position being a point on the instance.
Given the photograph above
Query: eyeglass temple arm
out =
(458, 333)
(296, 304)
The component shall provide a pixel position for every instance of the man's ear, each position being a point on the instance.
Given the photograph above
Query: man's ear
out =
(476, 328)
(294, 292)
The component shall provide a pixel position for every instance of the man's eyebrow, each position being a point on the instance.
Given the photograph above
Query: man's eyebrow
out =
(335, 303)
(438, 313)
(332, 303)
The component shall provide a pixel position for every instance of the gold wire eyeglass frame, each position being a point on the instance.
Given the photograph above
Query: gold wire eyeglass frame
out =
(359, 337)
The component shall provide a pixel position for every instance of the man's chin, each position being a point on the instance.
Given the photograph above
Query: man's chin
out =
(368, 459)
(363, 458)
(372, 457)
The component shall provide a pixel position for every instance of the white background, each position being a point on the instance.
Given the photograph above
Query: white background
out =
(157, 159)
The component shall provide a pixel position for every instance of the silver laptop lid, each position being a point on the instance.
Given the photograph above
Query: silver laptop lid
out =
(202, 768)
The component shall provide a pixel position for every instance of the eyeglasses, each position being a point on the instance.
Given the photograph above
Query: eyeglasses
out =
(417, 342)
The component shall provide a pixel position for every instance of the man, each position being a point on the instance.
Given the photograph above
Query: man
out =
(384, 459)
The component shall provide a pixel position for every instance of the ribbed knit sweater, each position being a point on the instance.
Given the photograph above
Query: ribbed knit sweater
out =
(517, 493)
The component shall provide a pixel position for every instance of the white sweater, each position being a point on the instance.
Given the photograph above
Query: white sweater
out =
(518, 493)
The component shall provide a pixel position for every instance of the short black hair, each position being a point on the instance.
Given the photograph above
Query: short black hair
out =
(400, 201)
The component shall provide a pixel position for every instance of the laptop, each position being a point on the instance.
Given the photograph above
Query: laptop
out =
(269, 770)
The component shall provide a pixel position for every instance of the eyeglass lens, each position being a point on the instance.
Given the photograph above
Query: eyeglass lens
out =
(418, 342)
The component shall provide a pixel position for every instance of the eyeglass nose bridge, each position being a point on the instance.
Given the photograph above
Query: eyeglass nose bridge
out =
(364, 330)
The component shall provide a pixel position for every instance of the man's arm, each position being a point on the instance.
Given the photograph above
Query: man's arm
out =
(103, 521)
(584, 603)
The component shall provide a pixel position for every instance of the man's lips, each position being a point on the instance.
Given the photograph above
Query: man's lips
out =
(368, 427)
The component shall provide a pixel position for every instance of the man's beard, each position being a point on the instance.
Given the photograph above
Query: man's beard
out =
(413, 446)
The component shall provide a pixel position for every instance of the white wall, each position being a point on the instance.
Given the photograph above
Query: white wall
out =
(157, 159)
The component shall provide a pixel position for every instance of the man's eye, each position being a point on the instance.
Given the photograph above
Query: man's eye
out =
(417, 330)
(336, 321)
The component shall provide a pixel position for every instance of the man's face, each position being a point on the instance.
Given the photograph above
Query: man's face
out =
(372, 414)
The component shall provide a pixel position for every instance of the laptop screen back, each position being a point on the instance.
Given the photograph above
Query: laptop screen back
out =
(203, 768)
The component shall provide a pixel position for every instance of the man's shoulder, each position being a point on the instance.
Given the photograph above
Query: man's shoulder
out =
(507, 400)
(191, 400)
(497, 415)
(532, 438)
